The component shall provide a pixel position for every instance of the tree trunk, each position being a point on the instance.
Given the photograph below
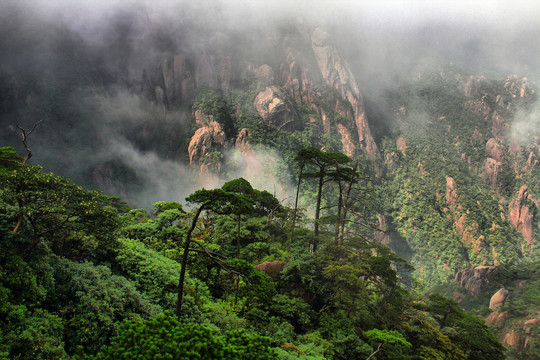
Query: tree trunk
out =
(185, 259)
(296, 200)
(340, 204)
(346, 203)
(318, 211)
(238, 257)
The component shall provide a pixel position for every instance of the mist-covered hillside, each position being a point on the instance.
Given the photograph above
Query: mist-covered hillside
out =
(434, 104)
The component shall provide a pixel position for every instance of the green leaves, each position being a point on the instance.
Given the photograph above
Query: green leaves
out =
(9, 159)
(394, 344)
(164, 337)
(70, 220)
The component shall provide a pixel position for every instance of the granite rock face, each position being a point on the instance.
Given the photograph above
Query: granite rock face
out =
(476, 279)
(337, 74)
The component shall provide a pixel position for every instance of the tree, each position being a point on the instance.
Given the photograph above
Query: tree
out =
(71, 221)
(221, 202)
(327, 168)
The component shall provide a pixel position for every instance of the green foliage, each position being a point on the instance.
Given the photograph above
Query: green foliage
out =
(36, 336)
(9, 159)
(393, 343)
(92, 300)
(164, 337)
(212, 103)
(156, 276)
(53, 211)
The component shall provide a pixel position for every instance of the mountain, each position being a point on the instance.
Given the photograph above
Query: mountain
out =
(151, 112)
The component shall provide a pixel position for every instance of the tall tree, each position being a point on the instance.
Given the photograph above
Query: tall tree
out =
(221, 202)
(327, 165)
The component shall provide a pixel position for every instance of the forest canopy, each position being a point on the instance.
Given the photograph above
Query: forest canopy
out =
(85, 276)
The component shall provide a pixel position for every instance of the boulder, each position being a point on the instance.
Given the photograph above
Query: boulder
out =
(272, 268)
(498, 299)
(272, 108)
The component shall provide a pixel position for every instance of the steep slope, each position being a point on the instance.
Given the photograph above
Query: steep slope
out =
(463, 182)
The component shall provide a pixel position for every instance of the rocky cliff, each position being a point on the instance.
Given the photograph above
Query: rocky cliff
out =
(307, 82)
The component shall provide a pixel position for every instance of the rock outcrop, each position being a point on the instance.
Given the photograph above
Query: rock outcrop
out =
(451, 193)
(498, 299)
(494, 149)
(337, 73)
(272, 268)
(252, 165)
(296, 78)
(492, 173)
(264, 73)
(497, 318)
(202, 147)
(272, 107)
(521, 215)
(201, 143)
(346, 139)
(476, 279)
(177, 77)
(178, 81)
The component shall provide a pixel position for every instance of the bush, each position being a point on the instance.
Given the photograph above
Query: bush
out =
(164, 337)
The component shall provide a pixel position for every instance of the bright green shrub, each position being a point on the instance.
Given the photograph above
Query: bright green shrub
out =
(164, 337)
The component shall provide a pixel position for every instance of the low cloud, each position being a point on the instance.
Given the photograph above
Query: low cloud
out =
(525, 127)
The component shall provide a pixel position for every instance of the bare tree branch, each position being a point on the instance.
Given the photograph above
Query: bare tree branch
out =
(376, 351)
(24, 138)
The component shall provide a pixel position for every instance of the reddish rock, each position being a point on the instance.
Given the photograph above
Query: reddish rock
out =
(471, 85)
(252, 165)
(202, 145)
(391, 160)
(498, 299)
(326, 125)
(492, 170)
(499, 127)
(518, 87)
(401, 144)
(496, 318)
(512, 339)
(271, 107)
(421, 170)
(477, 134)
(296, 78)
(272, 268)
(451, 193)
(337, 73)
(202, 119)
(381, 234)
(494, 149)
(520, 215)
(346, 139)
(531, 162)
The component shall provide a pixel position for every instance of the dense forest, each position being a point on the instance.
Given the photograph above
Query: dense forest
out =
(190, 186)
(85, 276)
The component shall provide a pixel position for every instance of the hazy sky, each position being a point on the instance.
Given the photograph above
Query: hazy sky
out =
(382, 40)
